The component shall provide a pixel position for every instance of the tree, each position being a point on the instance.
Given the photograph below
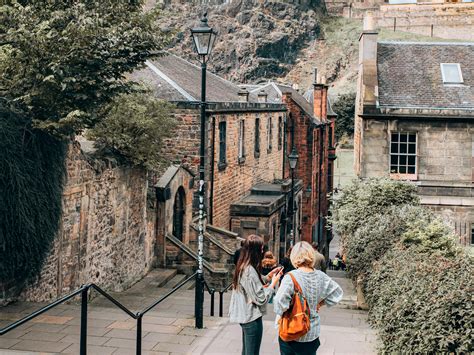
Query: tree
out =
(134, 127)
(61, 62)
(344, 107)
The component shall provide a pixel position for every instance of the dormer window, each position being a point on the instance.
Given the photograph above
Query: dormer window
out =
(451, 73)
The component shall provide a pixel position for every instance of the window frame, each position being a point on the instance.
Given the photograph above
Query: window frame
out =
(398, 174)
(257, 137)
(444, 76)
(280, 132)
(241, 142)
(222, 145)
(269, 134)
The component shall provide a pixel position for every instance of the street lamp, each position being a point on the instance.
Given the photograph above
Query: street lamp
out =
(203, 38)
(293, 160)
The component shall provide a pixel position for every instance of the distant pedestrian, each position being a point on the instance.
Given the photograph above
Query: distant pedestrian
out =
(317, 288)
(286, 262)
(320, 263)
(268, 263)
(251, 293)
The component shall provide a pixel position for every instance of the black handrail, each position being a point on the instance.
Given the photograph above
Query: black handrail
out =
(84, 291)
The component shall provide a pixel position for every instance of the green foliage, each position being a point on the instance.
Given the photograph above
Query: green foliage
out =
(378, 235)
(365, 198)
(422, 303)
(416, 279)
(62, 62)
(344, 107)
(31, 175)
(134, 127)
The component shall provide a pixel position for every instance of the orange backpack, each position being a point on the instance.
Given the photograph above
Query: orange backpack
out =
(295, 323)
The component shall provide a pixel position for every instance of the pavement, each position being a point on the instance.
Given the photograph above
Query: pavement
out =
(169, 328)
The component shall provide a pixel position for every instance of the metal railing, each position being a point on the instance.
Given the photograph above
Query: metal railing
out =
(84, 291)
(212, 292)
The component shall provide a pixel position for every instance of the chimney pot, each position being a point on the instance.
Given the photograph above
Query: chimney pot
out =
(369, 21)
(243, 95)
(262, 96)
(315, 77)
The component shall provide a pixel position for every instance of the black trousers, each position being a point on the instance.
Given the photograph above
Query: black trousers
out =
(298, 348)
(252, 337)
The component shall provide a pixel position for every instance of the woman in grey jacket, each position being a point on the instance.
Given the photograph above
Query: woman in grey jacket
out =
(251, 293)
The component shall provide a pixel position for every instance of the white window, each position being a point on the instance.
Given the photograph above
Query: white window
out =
(241, 139)
(403, 153)
(451, 73)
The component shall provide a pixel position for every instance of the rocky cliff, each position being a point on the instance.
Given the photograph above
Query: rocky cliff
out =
(258, 39)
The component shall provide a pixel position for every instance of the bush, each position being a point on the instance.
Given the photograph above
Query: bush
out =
(378, 235)
(422, 303)
(135, 127)
(417, 280)
(364, 199)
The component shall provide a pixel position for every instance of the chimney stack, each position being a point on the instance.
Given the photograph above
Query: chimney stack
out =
(262, 96)
(243, 95)
(368, 61)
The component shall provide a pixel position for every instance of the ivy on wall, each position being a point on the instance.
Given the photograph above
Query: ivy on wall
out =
(31, 175)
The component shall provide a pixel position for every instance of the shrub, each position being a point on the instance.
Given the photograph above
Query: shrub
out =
(422, 302)
(366, 198)
(135, 127)
(378, 235)
(344, 107)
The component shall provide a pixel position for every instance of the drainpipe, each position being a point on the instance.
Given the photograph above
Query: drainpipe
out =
(211, 178)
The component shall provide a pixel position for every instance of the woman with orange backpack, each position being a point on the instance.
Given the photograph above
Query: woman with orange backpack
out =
(297, 302)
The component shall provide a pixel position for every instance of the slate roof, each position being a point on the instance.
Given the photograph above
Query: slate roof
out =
(174, 79)
(409, 75)
(275, 92)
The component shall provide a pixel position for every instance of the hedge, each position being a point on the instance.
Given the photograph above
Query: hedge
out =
(416, 279)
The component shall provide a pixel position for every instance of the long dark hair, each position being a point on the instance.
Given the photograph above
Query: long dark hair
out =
(250, 254)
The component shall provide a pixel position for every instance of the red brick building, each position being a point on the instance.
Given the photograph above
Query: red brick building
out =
(310, 125)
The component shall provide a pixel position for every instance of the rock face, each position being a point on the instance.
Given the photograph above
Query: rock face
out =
(258, 39)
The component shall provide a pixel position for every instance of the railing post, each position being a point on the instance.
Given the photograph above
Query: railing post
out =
(199, 300)
(139, 334)
(221, 302)
(212, 303)
(83, 339)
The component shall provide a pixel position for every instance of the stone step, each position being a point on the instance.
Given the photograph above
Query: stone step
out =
(161, 276)
(175, 281)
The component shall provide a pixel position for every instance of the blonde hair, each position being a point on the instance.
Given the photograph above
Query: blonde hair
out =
(303, 254)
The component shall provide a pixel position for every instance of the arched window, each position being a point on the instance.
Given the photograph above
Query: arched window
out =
(178, 213)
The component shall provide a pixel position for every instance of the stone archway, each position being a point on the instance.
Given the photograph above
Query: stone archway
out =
(179, 210)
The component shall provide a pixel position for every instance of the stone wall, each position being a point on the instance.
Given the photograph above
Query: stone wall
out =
(103, 234)
(442, 20)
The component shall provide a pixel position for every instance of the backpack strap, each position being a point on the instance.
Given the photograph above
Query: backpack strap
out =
(295, 283)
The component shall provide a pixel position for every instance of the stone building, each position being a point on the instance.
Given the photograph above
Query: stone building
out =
(310, 127)
(247, 191)
(415, 121)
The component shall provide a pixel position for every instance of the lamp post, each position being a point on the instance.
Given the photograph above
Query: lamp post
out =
(203, 38)
(293, 159)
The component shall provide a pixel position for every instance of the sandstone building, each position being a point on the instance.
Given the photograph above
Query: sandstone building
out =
(415, 121)
(310, 129)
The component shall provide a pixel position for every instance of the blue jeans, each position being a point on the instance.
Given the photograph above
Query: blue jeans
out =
(252, 337)
(298, 348)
